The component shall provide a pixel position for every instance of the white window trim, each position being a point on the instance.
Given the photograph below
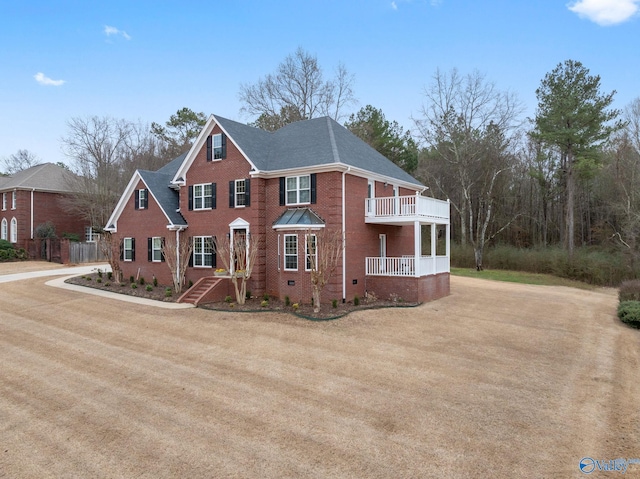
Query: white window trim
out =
(235, 193)
(214, 147)
(4, 229)
(154, 249)
(201, 256)
(125, 249)
(290, 255)
(142, 197)
(13, 232)
(306, 251)
(297, 190)
(202, 196)
(4, 202)
(14, 199)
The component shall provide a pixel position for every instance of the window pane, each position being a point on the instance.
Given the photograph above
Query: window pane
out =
(217, 140)
(304, 182)
(305, 196)
(292, 197)
(292, 183)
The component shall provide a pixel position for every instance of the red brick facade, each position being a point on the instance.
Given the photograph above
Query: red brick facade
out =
(332, 188)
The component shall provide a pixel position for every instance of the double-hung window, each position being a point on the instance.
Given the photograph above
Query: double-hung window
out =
(4, 201)
(298, 190)
(240, 193)
(202, 197)
(89, 235)
(291, 252)
(217, 146)
(14, 199)
(203, 251)
(141, 199)
(155, 244)
(129, 249)
(311, 256)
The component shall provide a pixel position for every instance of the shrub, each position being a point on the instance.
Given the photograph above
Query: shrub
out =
(629, 290)
(45, 230)
(134, 286)
(110, 275)
(98, 280)
(155, 281)
(190, 284)
(149, 287)
(99, 273)
(248, 295)
(72, 237)
(88, 278)
(6, 245)
(228, 299)
(168, 293)
(629, 312)
(141, 280)
(356, 300)
(264, 303)
(265, 296)
(122, 285)
(334, 303)
(107, 283)
(295, 306)
(287, 301)
(132, 279)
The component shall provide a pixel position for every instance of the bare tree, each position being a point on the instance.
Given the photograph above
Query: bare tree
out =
(21, 160)
(469, 126)
(324, 250)
(110, 247)
(298, 91)
(176, 252)
(238, 257)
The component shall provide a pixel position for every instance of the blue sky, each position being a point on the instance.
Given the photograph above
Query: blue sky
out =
(144, 60)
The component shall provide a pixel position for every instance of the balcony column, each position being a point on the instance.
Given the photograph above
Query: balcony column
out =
(434, 238)
(416, 248)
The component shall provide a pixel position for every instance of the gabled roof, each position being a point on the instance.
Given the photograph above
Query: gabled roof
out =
(44, 177)
(299, 218)
(158, 183)
(303, 144)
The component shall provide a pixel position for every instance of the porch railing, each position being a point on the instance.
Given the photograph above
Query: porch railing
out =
(404, 206)
(406, 266)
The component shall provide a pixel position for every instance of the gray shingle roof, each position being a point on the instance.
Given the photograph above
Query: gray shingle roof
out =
(316, 142)
(44, 177)
(158, 184)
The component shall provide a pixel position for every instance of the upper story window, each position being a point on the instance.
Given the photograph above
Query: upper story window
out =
(14, 199)
(142, 199)
(216, 147)
(239, 193)
(298, 190)
(202, 196)
(4, 201)
(129, 249)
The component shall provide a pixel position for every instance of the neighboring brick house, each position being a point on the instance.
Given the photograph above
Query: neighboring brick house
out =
(278, 187)
(32, 197)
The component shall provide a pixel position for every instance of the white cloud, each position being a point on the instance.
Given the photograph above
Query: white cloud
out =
(45, 80)
(394, 5)
(605, 12)
(108, 31)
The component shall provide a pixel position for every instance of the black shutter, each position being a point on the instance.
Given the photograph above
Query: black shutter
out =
(247, 192)
(209, 148)
(162, 249)
(133, 249)
(313, 188)
(232, 193)
(191, 254)
(149, 249)
(137, 201)
(213, 196)
(214, 254)
(191, 198)
(282, 191)
(121, 250)
(224, 146)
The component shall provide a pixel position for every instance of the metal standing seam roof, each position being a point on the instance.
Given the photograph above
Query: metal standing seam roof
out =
(298, 217)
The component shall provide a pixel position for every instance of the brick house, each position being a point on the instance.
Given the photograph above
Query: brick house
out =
(32, 197)
(276, 188)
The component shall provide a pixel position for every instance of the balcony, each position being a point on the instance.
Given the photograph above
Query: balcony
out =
(406, 210)
(406, 266)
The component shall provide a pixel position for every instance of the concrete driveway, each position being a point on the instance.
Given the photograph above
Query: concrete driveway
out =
(497, 380)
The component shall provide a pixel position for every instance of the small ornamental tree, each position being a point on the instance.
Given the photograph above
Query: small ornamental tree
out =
(176, 254)
(110, 247)
(323, 252)
(239, 258)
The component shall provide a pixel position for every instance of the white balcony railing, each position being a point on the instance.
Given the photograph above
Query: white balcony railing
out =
(407, 206)
(406, 266)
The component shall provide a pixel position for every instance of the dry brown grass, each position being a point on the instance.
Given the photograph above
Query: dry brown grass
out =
(497, 380)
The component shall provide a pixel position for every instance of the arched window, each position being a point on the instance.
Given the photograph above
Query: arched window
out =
(14, 230)
(3, 231)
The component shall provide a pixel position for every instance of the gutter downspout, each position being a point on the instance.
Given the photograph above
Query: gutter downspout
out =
(32, 190)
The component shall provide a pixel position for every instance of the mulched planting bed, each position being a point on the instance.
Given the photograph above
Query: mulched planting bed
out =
(327, 311)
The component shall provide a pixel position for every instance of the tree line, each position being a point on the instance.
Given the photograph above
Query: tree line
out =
(568, 177)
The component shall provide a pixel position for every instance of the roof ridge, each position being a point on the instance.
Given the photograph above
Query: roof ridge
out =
(332, 139)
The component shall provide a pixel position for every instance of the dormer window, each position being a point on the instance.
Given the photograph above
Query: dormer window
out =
(142, 199)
